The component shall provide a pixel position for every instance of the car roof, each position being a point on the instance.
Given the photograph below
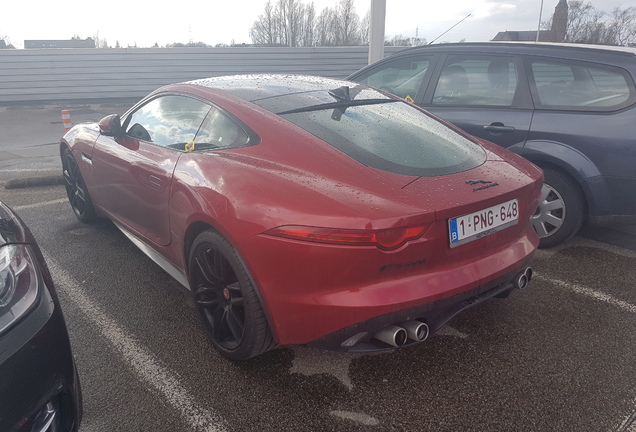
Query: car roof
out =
(544, 48)
(257, 87)
(283, 93)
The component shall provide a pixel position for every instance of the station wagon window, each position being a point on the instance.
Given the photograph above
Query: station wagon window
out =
(485, 81)
(167, 121)
(579, 86)
(402, 77)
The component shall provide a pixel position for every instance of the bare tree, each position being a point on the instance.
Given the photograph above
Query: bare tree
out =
(309, 25)
(99, 42)
(347, 24)
(365, 26)
(579, 13)
(292, 23)
(624, 25)
(5, 42)
(290, 18)
(402, 41)
(323, 29)
(264, 31)
(296, 22)
(587, 24)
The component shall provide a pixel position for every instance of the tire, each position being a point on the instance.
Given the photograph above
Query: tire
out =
(76, 190)
(226, 300)
(561, 210)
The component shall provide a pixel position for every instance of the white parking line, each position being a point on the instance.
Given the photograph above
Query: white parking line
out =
(22, 170)
(588, 292)
(40, 204)
(361, 418)
(141, 361)
(629, 423)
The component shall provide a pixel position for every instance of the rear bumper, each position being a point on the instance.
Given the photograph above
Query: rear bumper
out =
(360, 337)
(323, 295)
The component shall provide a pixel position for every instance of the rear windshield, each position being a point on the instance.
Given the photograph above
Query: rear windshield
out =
(393, 137)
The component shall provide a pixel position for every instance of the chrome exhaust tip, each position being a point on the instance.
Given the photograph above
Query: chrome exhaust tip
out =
(522, 279)
(529, 272)
(417, 331)
(392, 335)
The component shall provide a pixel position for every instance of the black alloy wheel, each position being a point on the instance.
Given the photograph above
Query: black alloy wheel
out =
(226, 300)
(76, 190)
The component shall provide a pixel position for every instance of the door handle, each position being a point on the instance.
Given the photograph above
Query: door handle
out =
(498, 128)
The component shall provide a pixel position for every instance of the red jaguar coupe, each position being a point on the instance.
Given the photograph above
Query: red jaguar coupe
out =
(306, 210)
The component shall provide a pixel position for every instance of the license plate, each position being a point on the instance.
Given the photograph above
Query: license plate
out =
(475, 225)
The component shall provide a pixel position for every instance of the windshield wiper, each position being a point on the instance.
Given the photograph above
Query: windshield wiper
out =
(338, 105)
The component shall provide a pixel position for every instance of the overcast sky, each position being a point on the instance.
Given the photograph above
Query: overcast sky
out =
(131, 23)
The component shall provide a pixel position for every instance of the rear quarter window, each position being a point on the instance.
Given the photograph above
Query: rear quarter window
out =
(580, 86)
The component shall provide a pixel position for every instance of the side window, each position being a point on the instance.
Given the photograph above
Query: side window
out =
(486, 81)
(167, 121)
(579, 86)
(219, 131)
(401, 77)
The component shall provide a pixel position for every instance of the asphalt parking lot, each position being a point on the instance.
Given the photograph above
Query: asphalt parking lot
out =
(557, 356)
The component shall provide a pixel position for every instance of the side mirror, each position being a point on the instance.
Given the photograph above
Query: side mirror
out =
(111, 125)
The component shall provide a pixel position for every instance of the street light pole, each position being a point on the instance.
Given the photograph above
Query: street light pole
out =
(539, 26)
(376, 30)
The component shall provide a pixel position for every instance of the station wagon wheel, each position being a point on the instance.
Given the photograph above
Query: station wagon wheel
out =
(226, 300)
(561, 209)
(76, 190)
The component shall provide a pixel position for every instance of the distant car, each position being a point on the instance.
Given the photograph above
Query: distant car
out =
(304, 210)
(570, 109)
(39, 387)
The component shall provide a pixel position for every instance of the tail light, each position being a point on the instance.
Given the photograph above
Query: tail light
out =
(386, 239)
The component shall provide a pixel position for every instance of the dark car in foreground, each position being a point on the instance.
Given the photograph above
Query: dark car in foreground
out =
(304, 210)
(570, 109)
(39, 386)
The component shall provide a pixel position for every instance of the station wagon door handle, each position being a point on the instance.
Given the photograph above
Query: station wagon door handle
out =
(498, 128)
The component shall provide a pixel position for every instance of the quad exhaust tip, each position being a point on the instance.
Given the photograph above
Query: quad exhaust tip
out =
(392, 335)
(418, 331)
(522, 279)
(398, 335)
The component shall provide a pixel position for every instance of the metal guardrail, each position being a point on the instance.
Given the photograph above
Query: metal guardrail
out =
(51, 75)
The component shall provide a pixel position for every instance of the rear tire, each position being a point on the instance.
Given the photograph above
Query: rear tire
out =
(561, 210)
(226, 299)
(76, 190)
